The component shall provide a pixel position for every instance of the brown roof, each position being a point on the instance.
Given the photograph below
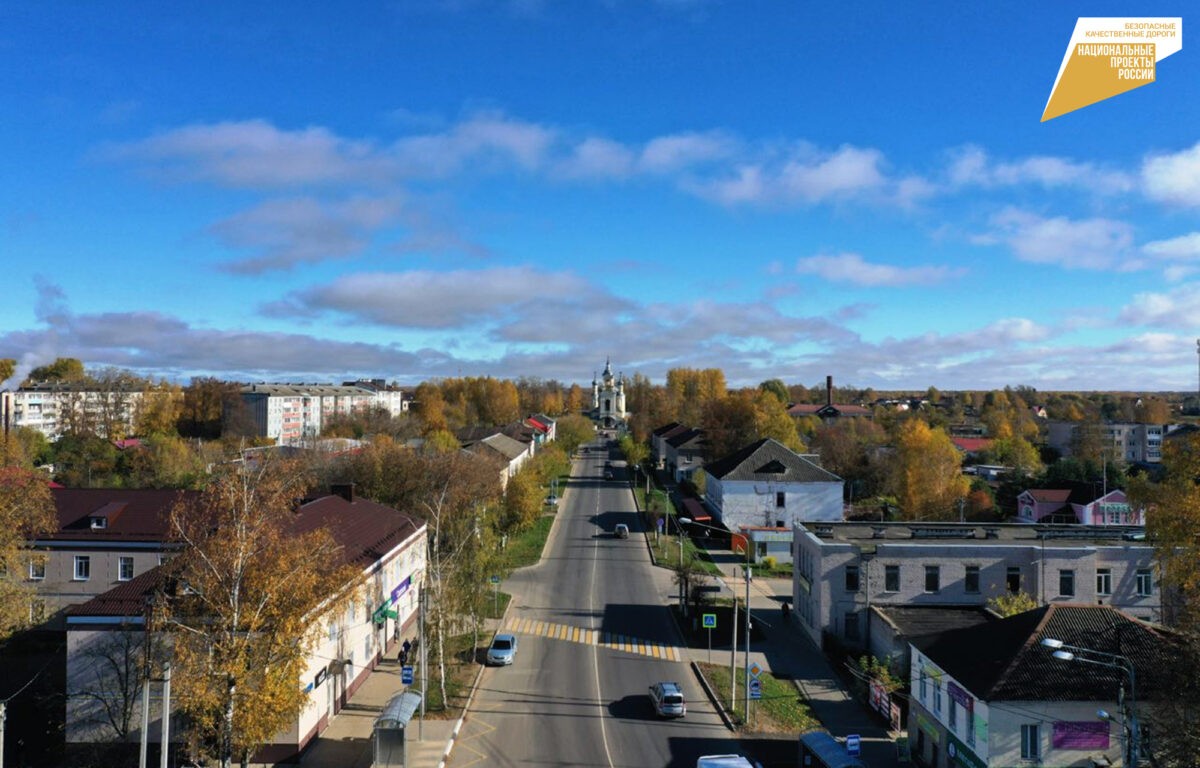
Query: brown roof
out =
(1046, 495)
(365, 529)
(129, 515)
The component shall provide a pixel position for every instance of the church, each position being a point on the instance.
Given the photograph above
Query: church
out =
(608, 398)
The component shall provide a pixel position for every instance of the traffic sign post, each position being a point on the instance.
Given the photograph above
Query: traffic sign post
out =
(406, 674)
(710, 622)
(496, 596)
(854, 745)
(755, 688)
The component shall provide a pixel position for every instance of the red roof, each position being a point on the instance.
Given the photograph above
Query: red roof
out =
(971, 444)
(1046, 495)
(129, 515)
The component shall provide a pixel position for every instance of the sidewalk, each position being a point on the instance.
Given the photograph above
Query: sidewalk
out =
(347, 742)
(787, 652)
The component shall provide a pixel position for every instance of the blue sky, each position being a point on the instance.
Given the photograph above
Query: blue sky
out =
(458, 187)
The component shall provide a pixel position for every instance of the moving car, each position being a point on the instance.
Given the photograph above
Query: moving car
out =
(503, 650)
(667, 699)
(621, 531)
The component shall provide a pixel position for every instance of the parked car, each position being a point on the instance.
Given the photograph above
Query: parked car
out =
(621, 531)
(608, 474)
(668, 700)
(502, 651)
(552, 500)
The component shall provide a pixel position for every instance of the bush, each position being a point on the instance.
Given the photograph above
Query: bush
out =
(769, 562)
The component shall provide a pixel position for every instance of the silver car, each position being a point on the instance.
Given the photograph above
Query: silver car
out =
(503, 650)
(667, 699)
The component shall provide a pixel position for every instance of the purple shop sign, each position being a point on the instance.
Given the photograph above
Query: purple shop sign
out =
(1080, 735)
(399, 591)
(961, 696)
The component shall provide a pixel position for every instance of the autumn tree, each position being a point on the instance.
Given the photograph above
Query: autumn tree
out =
(165, 461)
(771, 419)
(635, 452)
(243, 619)
(26, 512)
(62, 369)
(23, 447)
(576, 402)
(522, 502)
(926, 474)
(573, 430)
(1012, 603)
(8, 367)
(850, 448)
(690, 392)
(777, 388)
(202, 411)
(729, 423)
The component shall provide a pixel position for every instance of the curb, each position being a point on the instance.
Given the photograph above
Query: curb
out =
(470, 697)
(712, 696)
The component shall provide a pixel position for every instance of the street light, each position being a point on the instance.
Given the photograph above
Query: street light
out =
(1064, 652)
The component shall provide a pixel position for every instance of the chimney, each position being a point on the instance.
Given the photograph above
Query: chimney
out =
(345, 490)
(828, 390)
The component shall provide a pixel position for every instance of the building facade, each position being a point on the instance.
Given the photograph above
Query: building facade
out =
(292, 414)
(765, 484)
(841, 570)
(53, 408)
(608, 397)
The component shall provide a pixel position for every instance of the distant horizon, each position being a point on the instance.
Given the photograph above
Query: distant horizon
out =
(450, 188)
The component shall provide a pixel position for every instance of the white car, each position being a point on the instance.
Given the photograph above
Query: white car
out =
(668, 700)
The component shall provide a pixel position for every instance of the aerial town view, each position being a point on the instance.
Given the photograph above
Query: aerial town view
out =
(603, 383)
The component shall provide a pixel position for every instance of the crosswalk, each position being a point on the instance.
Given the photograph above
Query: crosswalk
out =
(608, 640)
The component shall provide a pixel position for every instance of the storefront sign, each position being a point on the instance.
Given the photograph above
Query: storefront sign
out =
(399, 591)
(322, 674)
(1080, 735)
(961, 754)
(930, 727)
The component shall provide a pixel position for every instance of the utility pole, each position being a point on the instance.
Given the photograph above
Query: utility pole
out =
(3, 716)
(747, 651)
(145, 721)
(166, 716)
(424, 668)
(733, 657)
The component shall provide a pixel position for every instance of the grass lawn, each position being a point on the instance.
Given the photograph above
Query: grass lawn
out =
(461, 668)
(525, 548)
(780, 710)
(666, 553)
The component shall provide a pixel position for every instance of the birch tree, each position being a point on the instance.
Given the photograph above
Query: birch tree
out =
(244, 616)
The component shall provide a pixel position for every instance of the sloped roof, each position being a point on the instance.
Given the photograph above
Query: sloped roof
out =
(1049, 495)
(506, 446)
(811, 409)
(768, 459)
(693, 437)
(1005, 661)
(366, 530)
(665, 428)
(971, 444)
(916, 620)
(132, 515)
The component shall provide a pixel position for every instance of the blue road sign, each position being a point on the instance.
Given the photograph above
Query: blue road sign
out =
(853, 745)
(406, 674)
(710, 620)
(755, 688)
(661, 523)
(495, 579)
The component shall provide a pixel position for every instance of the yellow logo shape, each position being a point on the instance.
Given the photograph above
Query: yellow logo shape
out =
(1109, 56)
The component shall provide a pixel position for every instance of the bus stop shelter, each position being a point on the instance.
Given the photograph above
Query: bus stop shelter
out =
(389, 732)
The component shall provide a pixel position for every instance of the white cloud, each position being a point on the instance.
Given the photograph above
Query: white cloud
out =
(288, 232)
(596, 158)
(1177, 308)
(852, 268)
(483, 139)
(1182, 248)
(681, 151)
(1173, 178)
(971, 166)
(1097, 243)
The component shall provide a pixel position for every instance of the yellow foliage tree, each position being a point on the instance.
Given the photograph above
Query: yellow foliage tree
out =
(26, 511)
(243, 619)
(926, 474)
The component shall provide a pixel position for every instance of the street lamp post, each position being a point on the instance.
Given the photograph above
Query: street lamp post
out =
(1064, 652)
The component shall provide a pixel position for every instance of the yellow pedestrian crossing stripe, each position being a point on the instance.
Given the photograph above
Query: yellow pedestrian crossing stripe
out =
(608, 640)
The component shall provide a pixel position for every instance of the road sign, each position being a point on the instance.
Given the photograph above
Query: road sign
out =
(661, 523)
(495, 579)
(709, 620)
(406, 674)
(755, 688)
(853, 745)
(755, 670)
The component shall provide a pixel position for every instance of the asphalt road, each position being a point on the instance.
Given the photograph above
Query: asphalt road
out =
(571, 698)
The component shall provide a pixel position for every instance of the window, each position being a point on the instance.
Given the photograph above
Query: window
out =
(1145, 582)
(37, 569)
(891, 578)
(780, 499)
(1066, 583)
(333, 630)
(924, 692)
(124, 568)
(933, 578)
(1104, 581)
(953, 719)
(969, 721)
(1031, 744)
(971, 580)
(1013, 579)
(851, 578)
(851, 626)
(83, 567)
(937, 697)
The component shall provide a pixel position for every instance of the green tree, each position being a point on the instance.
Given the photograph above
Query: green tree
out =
(522, 502)
(777, 388)
(62, 369)
(573, 430)
(635, 452)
